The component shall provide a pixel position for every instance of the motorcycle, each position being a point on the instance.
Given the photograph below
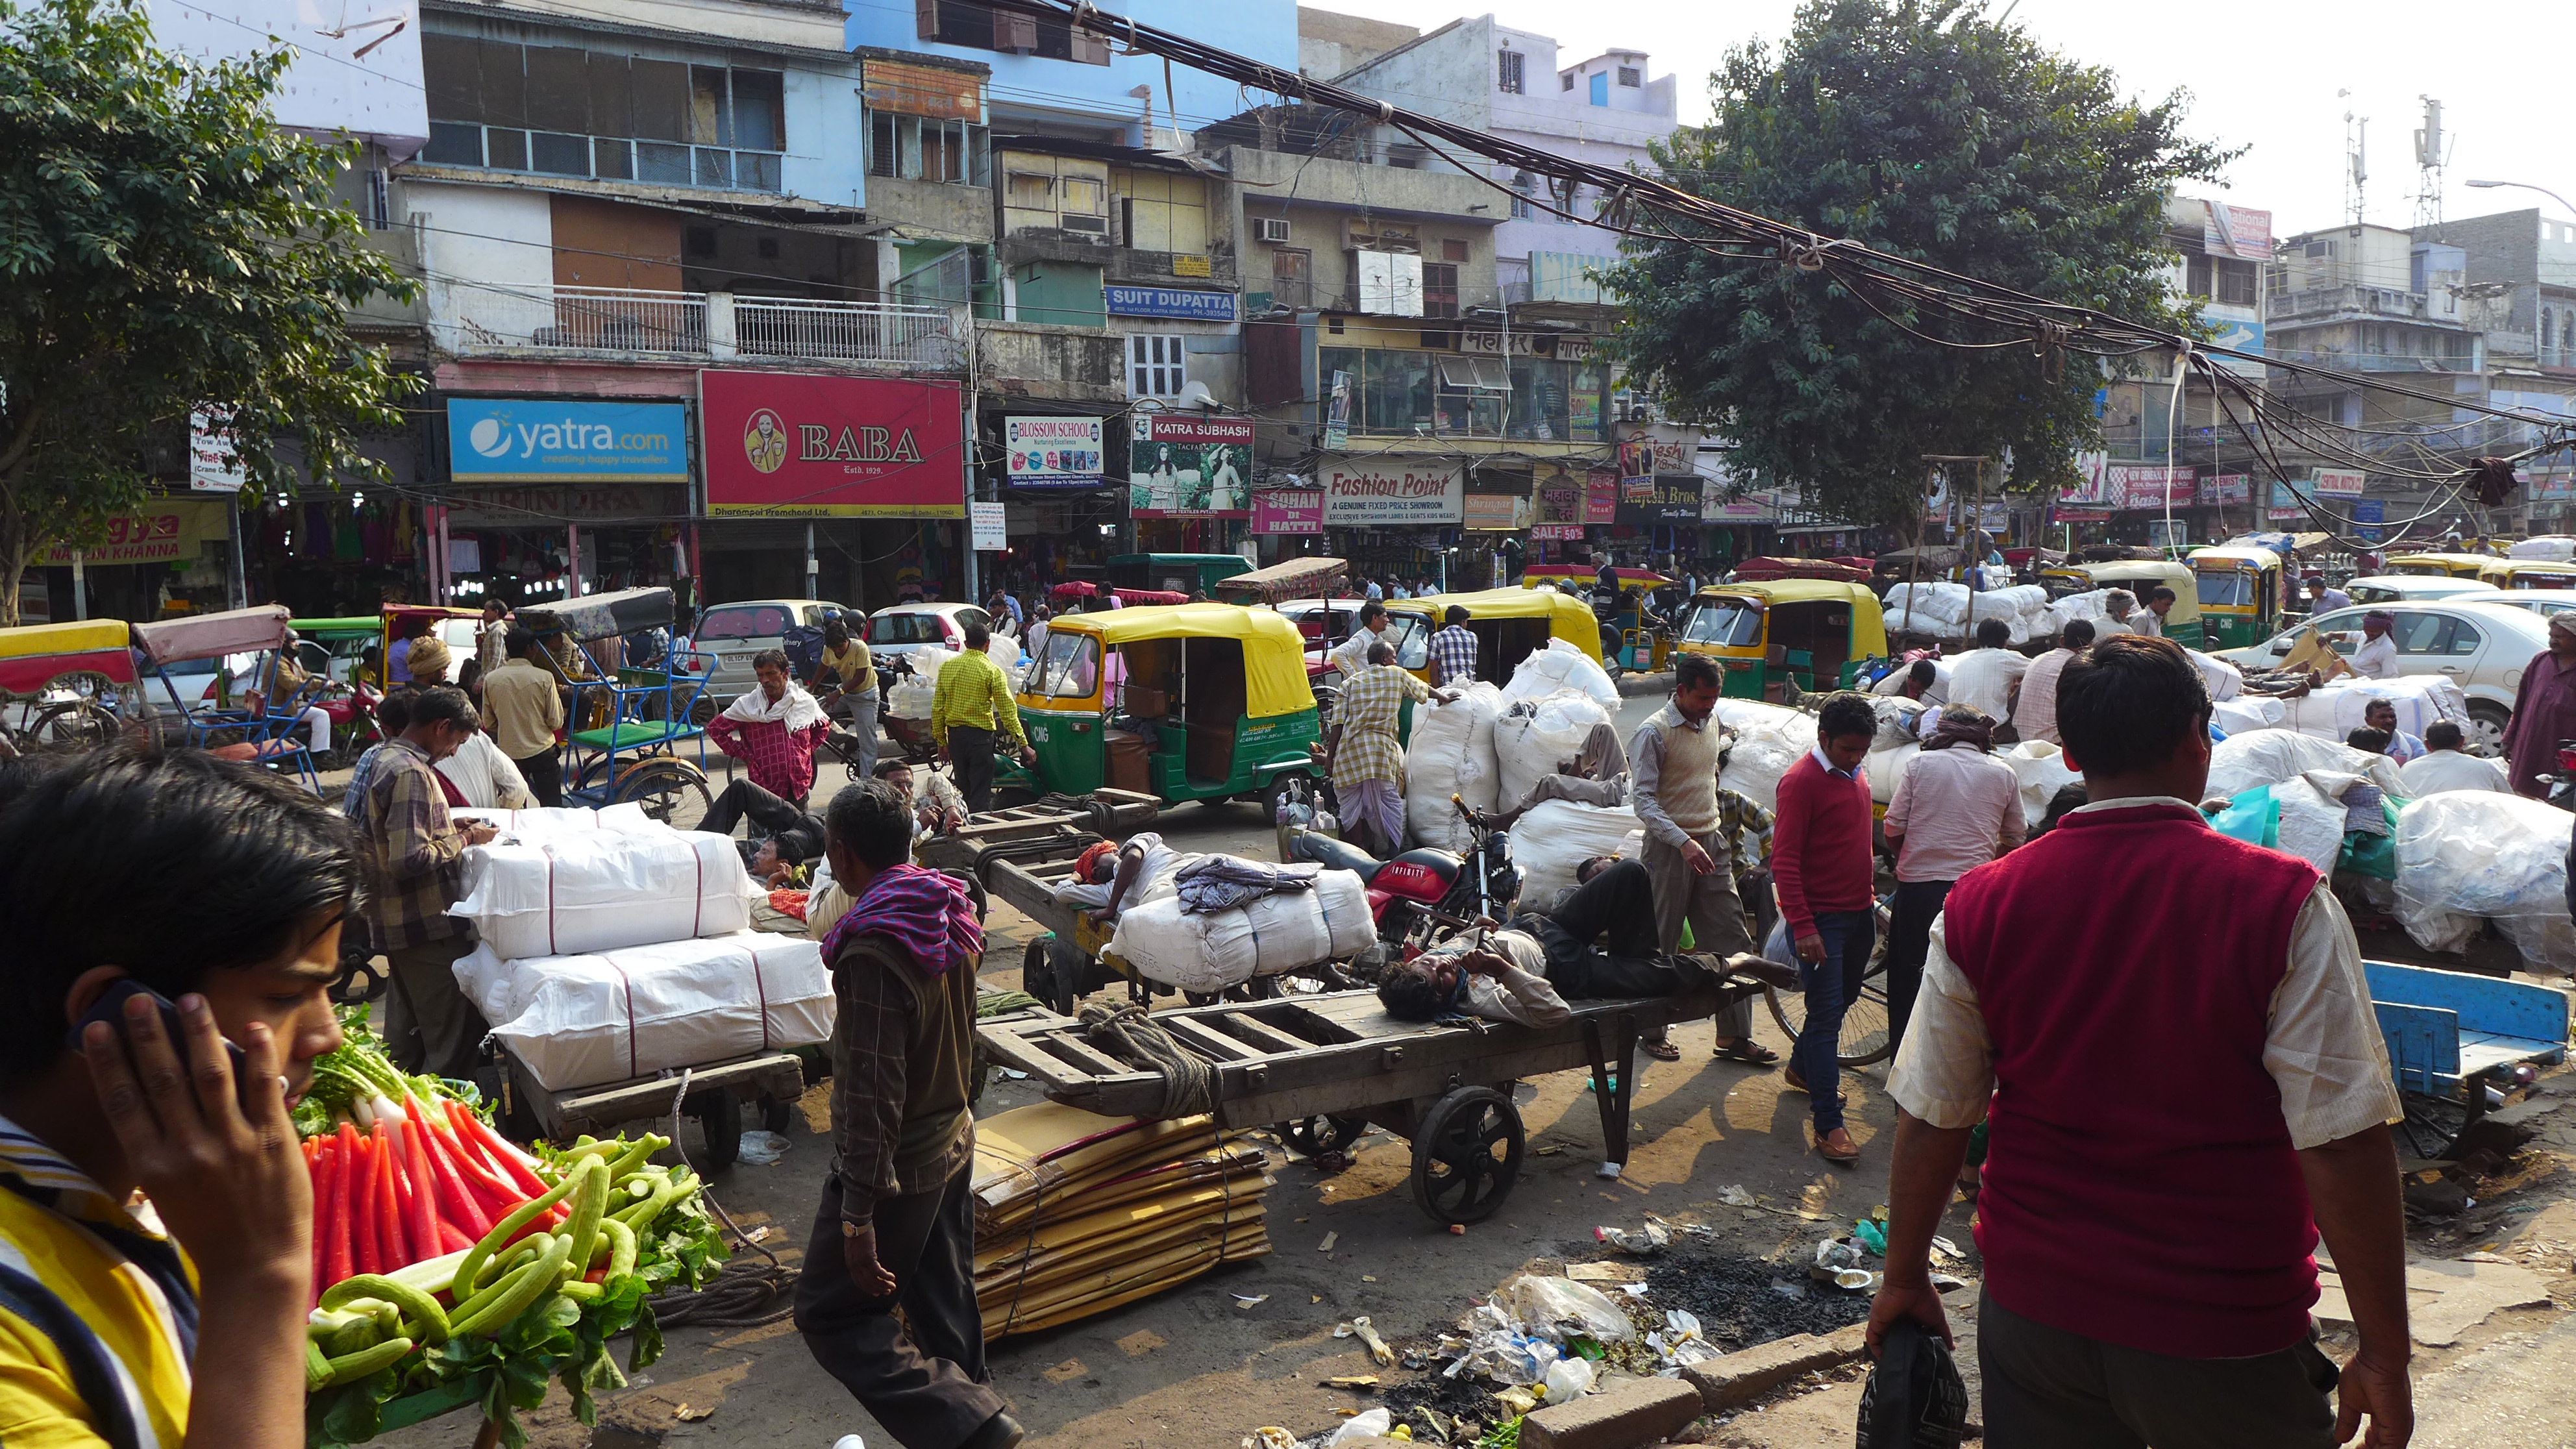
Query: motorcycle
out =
(1422, 890)
(2562, 785)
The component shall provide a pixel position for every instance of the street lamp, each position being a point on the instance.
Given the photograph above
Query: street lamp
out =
(2525, 186)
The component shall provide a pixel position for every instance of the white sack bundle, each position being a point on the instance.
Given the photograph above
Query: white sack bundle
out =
(1561, 666)
(583, 1019)
(1558, 835)
(1451, 753)
(1534, 738)
(1221, 949)
(603, 889)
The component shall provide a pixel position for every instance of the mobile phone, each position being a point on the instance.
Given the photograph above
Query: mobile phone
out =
(110, 1008)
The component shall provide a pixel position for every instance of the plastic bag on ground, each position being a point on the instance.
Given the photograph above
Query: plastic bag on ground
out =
(1559, 1307)
(1370, 1425)
(580, 1020)
(1451, 753)
(1568, 1379)
(2041, 769)
(600, 890)
(1558, 835)
(1221, 949)
(1532, 738)
(2268, 757)
(2466, 855)
(1561, 666)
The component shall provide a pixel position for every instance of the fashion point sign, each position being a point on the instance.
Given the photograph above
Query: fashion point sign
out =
(1365, 493)
(801, 445)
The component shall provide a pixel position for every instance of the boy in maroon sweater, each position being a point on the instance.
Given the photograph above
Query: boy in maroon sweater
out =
(2185, 1084)
(1822, 870)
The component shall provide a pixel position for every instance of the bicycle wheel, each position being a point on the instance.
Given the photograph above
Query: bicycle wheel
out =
(1865, 1036)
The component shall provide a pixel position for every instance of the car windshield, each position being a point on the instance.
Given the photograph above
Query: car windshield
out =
(1070, 670)
(753, 621)
(2374, 593)
(1412, 640)
(905, 629)
(2233, 589)
(1730, 625)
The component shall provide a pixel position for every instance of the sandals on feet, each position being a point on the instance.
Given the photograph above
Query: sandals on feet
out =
(1745, 1049)
(1662, 1051)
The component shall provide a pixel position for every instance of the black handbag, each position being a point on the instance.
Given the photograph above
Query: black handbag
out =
(1915, 1398)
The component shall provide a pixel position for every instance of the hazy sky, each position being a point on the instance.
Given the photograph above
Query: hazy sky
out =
(2262, 73)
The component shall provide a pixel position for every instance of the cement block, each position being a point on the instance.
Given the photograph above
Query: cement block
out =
(1739, 1378)
(1628, 1414)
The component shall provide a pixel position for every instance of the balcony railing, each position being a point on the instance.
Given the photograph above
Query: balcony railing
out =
(2373, 361)
(475, 317)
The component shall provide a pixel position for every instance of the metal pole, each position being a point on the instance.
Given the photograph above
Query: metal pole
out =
(813, 569)
(572, 560)
(239, 594)
(80, 587)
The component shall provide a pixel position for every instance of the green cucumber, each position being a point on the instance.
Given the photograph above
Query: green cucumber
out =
(508, 1228)
(621, 1246)
(635, 1156)
(358, 1365)
(588, 1202)
(493, 1309)
(420, 1311)
(317, 1367)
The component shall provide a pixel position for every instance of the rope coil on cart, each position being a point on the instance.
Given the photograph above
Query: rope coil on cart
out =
(1124, 1031)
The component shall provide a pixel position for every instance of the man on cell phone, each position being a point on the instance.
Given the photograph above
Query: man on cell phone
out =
(104, 1326)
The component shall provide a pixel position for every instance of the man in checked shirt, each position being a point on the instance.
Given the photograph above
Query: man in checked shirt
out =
(1453, 651)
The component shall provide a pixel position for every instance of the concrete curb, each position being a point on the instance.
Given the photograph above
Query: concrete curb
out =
(1739, 1378)
(1631, 1412)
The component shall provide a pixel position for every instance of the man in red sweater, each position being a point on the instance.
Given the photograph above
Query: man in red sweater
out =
(1823, 872)
(2185, 1084)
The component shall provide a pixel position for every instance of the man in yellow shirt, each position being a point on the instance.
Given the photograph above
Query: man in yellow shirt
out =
(846, 683)
(971, 699)
(523, 709)
(106, 1318)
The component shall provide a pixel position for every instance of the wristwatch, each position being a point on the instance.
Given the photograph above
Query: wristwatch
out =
(856, 1230)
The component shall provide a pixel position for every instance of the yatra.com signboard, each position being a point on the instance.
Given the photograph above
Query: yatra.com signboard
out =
(802, 445)
(1382, 493)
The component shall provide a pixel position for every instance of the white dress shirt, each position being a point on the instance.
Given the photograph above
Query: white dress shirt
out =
(2322, 1049)
(1985, 678)
(2446, 770)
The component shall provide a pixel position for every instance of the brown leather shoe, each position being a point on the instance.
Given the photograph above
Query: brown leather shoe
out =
(1838, 1148)
(1757, 968)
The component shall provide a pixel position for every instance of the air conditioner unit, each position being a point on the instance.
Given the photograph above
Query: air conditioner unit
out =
(1272, 229)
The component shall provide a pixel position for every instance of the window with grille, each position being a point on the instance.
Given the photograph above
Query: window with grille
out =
(1565, 82)
(1511, 68)
(1439, 289)
(1156, 366)
(1522, 185)
(1631, 77)
(566, 111)
(2196, 274)
(2235, 281)
(968, 23)
(922, 148)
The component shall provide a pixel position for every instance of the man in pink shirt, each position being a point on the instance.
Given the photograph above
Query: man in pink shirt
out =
(1956, 808)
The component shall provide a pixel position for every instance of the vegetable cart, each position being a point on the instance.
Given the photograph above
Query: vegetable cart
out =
(713, 1094)
(649, 711)
(1326, 1065)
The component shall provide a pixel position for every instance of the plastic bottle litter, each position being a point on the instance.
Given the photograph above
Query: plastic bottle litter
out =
(760, 1149)
(1370, 1425)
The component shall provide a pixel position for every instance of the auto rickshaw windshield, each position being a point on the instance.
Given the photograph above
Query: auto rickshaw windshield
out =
(2234, 589)
(1728, 624)
(1070, 670)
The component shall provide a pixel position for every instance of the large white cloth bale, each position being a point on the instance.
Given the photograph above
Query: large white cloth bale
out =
(603, 889)
(2040, 769)
(1220, 949)
(547, 820)
(1561, 666)
(2268, 757)
(1452, 753)
(1532, 740)
(579, 1020)
(1558, 835)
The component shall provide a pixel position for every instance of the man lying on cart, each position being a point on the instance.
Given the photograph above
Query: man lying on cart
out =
(1597, 942)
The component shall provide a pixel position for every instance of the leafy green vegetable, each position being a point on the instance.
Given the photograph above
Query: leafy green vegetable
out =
(359, 1069)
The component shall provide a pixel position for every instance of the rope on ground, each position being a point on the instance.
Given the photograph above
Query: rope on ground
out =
(743, 1294)
(1124, 1031)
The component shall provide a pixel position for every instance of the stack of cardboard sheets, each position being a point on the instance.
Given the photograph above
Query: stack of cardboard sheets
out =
(1077, 1213)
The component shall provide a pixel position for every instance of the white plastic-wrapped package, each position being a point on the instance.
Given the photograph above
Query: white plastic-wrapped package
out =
(1558, 835)
(2334, 711)
(604, 889)
(2016, 602)
(2040, 767)
(1944, 603)
(2556, 547)
(910, 698)
(1533, 738)
(563, 820)
(2248, 712)
(578, 1020)
(2467, 854)
(2267, 757)
(1221, 949)
(1561, 666)
(1451, 753)
(1906, 621)
(2086, 605)
(1768, 740)
(1885, 767)
(2313, 816)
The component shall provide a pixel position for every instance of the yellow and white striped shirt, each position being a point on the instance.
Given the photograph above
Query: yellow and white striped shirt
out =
(98, 1314)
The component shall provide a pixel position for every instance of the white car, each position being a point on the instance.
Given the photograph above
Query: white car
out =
(2543, 602)
(2390, 588)
(897, 631)
(2478, 643)
(728, 636)
(1327, 622)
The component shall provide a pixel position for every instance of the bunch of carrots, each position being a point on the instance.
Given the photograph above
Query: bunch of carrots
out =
(423, 1181)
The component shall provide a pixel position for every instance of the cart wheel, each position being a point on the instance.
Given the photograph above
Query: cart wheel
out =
(1466, 1155)
(71, 728)
(702, 710)
(775, 1114)
(1203, 998)
(1037, 978)
(719, 1117)
(666, 788)
(1315, 1136)
(360, 979)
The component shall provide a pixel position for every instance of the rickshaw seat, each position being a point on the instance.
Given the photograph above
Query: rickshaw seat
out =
(635, 734)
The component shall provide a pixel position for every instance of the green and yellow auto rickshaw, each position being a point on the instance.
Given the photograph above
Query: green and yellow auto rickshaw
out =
(1768, 638)
(2239, 591)
(2141, 577)
(2443, 565)
(1183, 702)
(1509, 624)
(1181, 573)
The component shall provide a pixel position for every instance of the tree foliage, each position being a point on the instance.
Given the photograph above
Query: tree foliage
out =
(164, 247)
(1918, 128)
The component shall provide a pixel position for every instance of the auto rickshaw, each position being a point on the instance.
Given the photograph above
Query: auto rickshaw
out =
(2529, 573)
(2141, 577)
(1810, 634)
(1187, 702)
(2453, 565)
(1509, 625)
(1626, 641)
(2239, 594)
(1180, 573)
(58, 685)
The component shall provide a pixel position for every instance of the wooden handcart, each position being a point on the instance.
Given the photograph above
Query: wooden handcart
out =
(714, 1096)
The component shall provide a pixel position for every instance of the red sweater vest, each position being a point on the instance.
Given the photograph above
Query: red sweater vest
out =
(2140, 1186)
(1820, 843)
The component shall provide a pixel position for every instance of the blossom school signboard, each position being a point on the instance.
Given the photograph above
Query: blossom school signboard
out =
(1372, 493)
(803, 445)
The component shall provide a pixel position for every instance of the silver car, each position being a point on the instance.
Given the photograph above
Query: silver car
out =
(729, 635)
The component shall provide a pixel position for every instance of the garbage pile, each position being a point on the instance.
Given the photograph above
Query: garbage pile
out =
(1077, 1213)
